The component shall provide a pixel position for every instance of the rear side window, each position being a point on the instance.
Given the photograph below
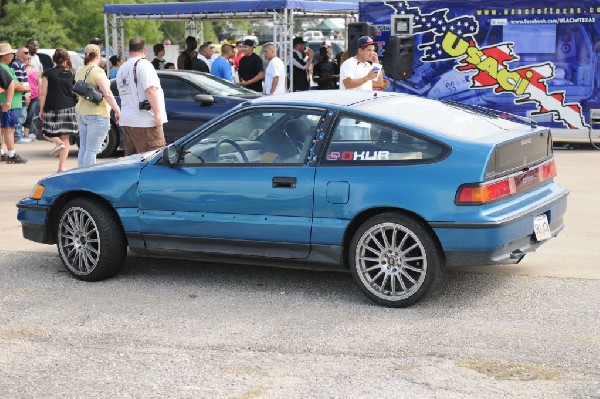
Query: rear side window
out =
(175, 89)
(356, 140)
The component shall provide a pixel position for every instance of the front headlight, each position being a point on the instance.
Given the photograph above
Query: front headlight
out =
(37, 192)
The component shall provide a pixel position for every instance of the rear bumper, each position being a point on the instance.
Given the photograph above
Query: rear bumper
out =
(501, 242)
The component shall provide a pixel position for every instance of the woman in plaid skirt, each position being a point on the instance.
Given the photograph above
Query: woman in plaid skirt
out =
(57, 106)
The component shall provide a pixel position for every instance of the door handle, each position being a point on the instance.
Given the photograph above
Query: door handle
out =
(284, 182)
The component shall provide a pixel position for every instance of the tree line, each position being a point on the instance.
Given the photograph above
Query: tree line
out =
(71, 23)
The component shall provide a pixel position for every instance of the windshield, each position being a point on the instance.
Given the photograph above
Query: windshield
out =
(218, 87)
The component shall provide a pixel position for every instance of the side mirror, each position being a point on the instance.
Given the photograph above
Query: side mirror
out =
(204, 99)
(170, 155)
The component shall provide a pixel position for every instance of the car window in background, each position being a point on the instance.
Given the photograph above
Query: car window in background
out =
(357, 140)
(218, 87)
(176, 89)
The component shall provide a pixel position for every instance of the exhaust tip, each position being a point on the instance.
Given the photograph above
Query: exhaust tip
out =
(517, 256)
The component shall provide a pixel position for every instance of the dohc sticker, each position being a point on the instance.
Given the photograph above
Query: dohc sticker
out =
(358, 156)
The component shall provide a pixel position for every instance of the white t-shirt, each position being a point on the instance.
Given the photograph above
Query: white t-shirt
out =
(37, 64)
(132, 94)
(355, 69)
(275, 68)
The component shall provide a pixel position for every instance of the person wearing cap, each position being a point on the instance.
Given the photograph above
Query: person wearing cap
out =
(19, 65)
(251, 70)
(358, 72)
(301, 61)
(11, 99)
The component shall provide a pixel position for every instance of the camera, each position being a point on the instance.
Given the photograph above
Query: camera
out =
(144, 105)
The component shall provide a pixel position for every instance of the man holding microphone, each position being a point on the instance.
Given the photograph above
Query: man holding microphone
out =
(360, 71)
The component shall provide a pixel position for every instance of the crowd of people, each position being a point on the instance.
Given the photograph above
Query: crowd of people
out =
(241, 65)
(42, 102)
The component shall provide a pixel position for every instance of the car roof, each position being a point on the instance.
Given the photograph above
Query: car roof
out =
(419, 113)
(326, 97)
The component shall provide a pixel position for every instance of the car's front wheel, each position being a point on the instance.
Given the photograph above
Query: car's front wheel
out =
(394, 259)
(91, 242)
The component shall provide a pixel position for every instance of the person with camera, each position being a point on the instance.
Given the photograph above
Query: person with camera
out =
(57, 106)
(142, 102)
(93, 108)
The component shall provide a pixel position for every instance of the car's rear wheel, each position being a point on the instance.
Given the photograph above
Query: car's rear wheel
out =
(394, 259)
(91, 242)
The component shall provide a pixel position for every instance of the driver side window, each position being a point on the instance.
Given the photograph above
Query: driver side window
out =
(258, 136)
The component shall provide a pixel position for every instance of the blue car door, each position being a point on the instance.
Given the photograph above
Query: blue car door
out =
(240, 188)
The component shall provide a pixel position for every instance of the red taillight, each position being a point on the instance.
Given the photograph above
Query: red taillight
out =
(547, 171)
(484, 193)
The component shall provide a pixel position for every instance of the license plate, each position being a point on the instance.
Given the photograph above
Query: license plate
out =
(541, 228)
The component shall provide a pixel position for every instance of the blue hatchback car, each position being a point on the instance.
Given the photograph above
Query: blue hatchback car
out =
(388, 186)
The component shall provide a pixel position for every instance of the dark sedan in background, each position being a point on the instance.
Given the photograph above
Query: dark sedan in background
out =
(191, 99)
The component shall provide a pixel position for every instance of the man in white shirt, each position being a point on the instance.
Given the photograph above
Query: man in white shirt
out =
(358, 72)
(275, 74)
(142, 102)
(32, 46)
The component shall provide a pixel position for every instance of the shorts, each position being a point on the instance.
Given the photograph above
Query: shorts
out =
(142, 139)
(9, 119)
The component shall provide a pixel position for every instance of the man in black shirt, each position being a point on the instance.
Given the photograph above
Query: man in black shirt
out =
(324, 73)
(159, 56)
(187, 57)
(251, 70)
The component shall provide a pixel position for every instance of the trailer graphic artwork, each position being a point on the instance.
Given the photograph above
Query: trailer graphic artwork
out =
(453, 39)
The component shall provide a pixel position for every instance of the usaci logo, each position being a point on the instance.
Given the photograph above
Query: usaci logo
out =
(454, 39)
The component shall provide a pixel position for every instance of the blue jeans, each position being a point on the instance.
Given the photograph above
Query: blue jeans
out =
(18, 115)
(92, 132)
(33, 110)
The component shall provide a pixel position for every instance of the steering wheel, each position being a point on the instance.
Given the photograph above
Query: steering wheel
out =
(234, 145)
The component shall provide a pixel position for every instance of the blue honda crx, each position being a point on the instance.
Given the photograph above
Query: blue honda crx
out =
(388, 186)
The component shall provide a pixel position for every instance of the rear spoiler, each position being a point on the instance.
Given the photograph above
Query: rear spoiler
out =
(492, 113)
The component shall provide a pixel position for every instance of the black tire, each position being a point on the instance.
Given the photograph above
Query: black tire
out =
(394, 259)
(90, 240)
(111, 142)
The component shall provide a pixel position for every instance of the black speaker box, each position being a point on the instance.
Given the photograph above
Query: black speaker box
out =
(398, 57)
(355, 31)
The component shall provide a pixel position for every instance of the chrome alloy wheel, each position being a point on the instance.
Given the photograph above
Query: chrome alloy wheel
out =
(391, 261)
(79, 241)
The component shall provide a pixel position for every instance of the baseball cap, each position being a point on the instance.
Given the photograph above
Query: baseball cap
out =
(364, 41)
(5, 48)
(298, 40)
(248, 42)
(327, 43)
